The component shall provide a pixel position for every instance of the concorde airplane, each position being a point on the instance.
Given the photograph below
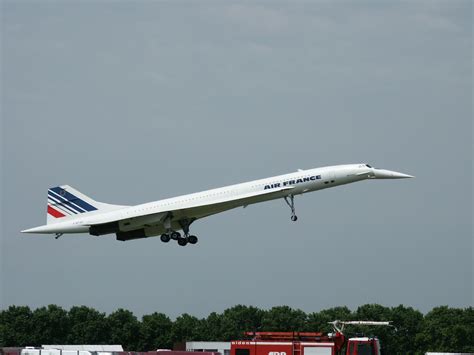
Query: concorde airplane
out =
(70, 211)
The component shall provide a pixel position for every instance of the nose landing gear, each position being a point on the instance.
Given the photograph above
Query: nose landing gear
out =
(290, 201)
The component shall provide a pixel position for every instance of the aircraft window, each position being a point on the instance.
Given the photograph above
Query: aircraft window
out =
(367, 165)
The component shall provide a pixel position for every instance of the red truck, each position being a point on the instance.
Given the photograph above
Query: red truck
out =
(305, 343)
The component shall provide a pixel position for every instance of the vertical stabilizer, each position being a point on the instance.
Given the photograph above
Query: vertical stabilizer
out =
(65, 202)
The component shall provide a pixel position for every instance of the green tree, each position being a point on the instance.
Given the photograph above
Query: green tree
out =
(284, 318)
(186, 328)
(239, 319)
(407, 322)
(447, 329)
(375, 312)
(319, 322)
(16, 325)
(212, 328)
(155, 332)
(88, 326)
(124, 329)
(51, 325)
(442, 329)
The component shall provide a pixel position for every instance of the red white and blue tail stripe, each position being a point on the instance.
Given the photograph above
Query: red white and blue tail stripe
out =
(65, 202)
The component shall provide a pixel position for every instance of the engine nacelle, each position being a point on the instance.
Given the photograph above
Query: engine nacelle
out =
(129, 235)
(105, 228)
(139, 233)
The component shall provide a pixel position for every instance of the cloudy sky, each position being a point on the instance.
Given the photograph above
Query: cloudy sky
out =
(135, 101)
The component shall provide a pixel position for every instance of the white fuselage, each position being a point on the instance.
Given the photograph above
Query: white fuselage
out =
(213, 201)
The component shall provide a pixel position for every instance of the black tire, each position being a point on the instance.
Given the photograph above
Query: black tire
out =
(165, 238)
(175, 235)
(294, 218)
(182, 241)
(192, 239)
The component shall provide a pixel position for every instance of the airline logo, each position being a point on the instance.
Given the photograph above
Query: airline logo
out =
(62, 203)
(293, 182)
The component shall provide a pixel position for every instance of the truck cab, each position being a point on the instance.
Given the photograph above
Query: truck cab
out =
(309, 343)
(363, 346)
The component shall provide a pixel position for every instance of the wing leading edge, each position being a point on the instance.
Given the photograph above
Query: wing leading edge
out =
(182, 210)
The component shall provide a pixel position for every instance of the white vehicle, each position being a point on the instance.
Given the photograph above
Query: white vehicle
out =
(70, 211)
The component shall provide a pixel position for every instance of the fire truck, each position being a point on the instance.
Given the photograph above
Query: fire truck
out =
(307, 343)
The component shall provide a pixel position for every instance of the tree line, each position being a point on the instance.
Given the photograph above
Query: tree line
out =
(441, 329)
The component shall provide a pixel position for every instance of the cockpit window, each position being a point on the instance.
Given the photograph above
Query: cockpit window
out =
(367, 165)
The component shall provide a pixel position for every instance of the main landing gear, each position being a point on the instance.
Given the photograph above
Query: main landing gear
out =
(171, 234)
(182, 240)
(290, 201)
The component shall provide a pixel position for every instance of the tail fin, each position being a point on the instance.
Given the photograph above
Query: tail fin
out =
(65, 202)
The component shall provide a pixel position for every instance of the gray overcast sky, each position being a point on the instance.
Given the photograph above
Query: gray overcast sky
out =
(135, 101)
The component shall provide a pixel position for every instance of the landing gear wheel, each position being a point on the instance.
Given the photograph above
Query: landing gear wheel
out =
(175, 235)
(165, 238)
(294, 218)
(192, 239)
(182, 241)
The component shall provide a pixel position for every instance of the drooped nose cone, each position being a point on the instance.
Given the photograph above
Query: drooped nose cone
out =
(388, 174)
